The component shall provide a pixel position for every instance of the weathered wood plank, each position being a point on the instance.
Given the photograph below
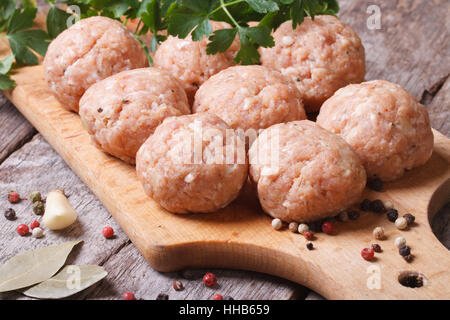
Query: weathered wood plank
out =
(439, 108)
(36, 166)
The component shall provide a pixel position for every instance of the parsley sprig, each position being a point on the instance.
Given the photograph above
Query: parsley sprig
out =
(160, 18)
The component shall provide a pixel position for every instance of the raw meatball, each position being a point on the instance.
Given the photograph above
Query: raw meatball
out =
(190, 164)
(122, 111)
(89, 51)
(321, 56)
(304, 173)
(387, 127)
(250, 97)
(187, 60)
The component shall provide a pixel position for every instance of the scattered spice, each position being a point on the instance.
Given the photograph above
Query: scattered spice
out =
(302, 228)
(365, 205)
(34, 224)
(162, 296)
(375, 184)
(388, 205)
(38, 208)
(316, 226)
(309, 235)
(228, 298)
(404, 251)
(13, 197)
(23, 229)
(409, 218)
(177, 285)
(412, 281)
(408, 258)
(99, 110)
(108, 232)
(277, 224)
(127, 295)
(376, 247)
(392, 215)
(367, 254)
(10, 214)
(378, 233)
(37, 233)
(328, 227)
(310, 246)
(401, 223)
(400, 242)
(354, 215)
(217, 297)
(209, 279)
(35, 196)
(293, 227)
(377, 206)
(343, 216)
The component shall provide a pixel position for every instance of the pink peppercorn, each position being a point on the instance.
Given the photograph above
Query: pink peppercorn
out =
(217, 297)
(23, 229)
(34, 224)
(108, 232)
(367, 254)
(328, 227)
(209, 279)
(128, 296)
(309, 235)
(13, 197)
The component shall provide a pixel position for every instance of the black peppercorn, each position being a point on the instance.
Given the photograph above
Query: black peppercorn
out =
(227, 298)
(392, 215)
(408, 258)
(376, 247)
(404, 251)
(309, 245)
(375, 184)
(409, 218)
(377, 206)
(162, 296)
(10, 214)
(365, 205)
(315, 226)
(353, 215)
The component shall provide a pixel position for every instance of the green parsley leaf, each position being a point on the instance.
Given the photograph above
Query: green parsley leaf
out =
(6, 82)
(56, 21)
(6, 64)
(221, 40)
(263, 6)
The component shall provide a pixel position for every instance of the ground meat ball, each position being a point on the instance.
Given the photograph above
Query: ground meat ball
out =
(187, 60)
(184, 168)
(304, 173)
(387, 127)
(122, 111)
(89, 51)
(321, 56)
(250, 97)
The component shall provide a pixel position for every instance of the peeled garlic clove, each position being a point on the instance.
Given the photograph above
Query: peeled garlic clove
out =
(59, 214)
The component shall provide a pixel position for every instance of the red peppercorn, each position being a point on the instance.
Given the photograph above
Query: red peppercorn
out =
(209, 279)
(13, 197)
(328, 227)
(309, 235)
(217, 297)
(108, 232)
(34, 224)
(367, 254)
(128, 296)
(23, 229)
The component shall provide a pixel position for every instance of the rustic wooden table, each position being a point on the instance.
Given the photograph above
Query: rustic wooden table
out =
(411, 48)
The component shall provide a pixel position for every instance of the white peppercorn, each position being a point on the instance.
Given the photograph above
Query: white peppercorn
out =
(302, 228)
(388, 205)
(400, 242)
(37, 232)
(293, 227)
(277, 224)
(401, 223)
(378, 233)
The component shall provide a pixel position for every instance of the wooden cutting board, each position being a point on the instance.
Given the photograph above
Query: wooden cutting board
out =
(240, 236)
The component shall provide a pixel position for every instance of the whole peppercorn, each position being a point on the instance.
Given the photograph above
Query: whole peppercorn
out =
(378, 233)
(353, 215)
(10, 214)
(375, 184)
(392, 215)
(108, 232)
(293, 227)
(23, 229)
(228, 298)
(217, 297)
(365, 205)
(408, 258)
(127, 295)
(34, 224)
(409, 218)
(162, 296)
(328, 227)
(367, 253)
(13, 197)
(377, 206)
(177, 285)
(38, 208)
(35, 196)
(302, 228)
(343, 216)
(310, 246)
(376, 247)
(388, 205)
(401, 223)
(400, 242)
(277, 224)
(404, 251)
(315, 226)
(309, 235)
(37, 233)
(209, 279)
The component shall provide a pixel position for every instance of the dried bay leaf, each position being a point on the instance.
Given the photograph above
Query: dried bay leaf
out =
(70, 280)
(33, 266)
